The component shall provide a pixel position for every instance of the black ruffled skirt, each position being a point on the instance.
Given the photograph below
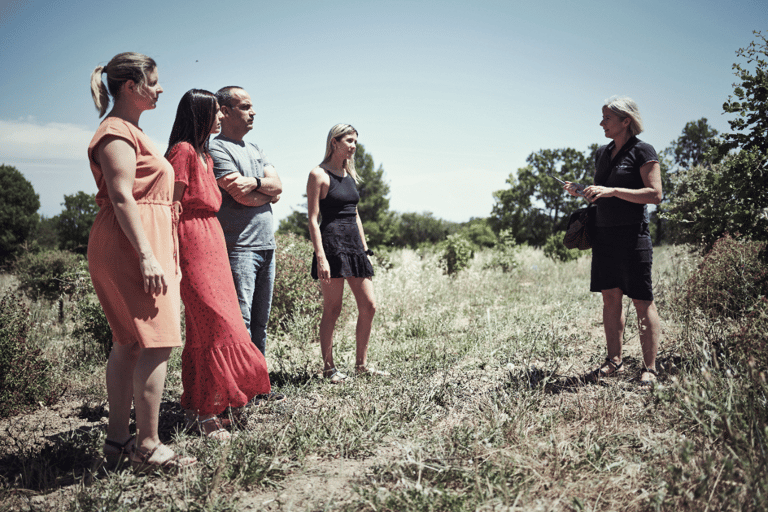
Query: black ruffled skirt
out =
(622, 257)
(343, 250)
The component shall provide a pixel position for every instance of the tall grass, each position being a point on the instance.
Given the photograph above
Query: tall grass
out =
(481, 412)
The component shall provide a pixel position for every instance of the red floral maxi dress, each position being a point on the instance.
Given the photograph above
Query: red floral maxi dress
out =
(220, 365)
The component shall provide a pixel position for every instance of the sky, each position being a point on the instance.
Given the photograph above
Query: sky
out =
(449, 97)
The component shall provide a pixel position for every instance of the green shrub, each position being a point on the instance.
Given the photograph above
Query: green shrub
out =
(556, 250)
(457, 254)
(295, 293)
(730, 279)
(92, 329)
(751, 342)
(26, 378)
(505, 252)
(51, 274)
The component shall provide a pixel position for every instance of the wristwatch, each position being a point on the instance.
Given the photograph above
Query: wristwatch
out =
(258, 184)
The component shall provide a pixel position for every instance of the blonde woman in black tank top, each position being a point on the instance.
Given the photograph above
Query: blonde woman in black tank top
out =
(341, 252)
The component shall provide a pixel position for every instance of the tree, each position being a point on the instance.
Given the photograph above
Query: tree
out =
(729, 196)
(75, 221)
(297, 222)
(751, 101)
(479, 232)
(374, 203)
(692, 148)
(18, 211)
(693, 144)
(536, 205)
(46, 236)
(414, 229)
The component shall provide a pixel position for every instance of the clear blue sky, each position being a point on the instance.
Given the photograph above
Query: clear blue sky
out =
(449, 96)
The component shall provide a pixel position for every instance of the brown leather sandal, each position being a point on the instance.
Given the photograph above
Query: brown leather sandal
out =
(647, 383)
(607, 369)
(141, 464)
(116, 454)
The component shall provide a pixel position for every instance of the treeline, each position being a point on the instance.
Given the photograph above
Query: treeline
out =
(712, 185)
(24, 231)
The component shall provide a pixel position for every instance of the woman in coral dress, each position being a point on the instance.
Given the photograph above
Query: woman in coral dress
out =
(220, 366)
(132, 260)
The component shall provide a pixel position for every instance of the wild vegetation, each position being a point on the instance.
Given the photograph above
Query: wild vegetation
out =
(483, 411)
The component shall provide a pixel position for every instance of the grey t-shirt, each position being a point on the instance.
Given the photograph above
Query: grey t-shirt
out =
(245, 227)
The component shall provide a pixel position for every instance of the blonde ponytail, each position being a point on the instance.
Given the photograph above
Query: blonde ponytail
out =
(99, 90)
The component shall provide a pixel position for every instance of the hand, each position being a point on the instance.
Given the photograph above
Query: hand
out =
(575, 189)
(275, 199)
(153, 275)
(595, 192)
(323, 270)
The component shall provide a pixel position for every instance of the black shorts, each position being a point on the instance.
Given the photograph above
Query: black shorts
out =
(622, 257)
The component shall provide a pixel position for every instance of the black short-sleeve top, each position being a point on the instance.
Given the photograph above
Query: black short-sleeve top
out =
(623, 172)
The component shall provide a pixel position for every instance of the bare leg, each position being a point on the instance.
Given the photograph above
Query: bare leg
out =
(120, 367)
(650, 330)
(613, 322)
(148, 383)
(333, 293)
(362, 288)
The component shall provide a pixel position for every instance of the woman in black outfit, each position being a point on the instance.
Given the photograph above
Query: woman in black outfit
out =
(341, 252)
(627, 178)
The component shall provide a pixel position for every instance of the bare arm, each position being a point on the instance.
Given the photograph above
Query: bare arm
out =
(231, 183)
(244, 185)
(317, 186)
(649, 194)
(118, 164)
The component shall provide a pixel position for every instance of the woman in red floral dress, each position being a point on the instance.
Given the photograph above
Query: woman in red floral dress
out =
(220, 366)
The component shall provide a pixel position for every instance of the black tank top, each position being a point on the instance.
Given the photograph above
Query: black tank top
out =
(341, 200)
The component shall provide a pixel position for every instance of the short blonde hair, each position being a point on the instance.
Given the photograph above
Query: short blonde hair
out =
(625, 107)
(336, 133)
(123, 67)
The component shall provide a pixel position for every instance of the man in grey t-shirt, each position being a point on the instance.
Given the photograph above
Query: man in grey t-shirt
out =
(249, 186)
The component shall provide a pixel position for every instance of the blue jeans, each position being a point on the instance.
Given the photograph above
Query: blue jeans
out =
(254, 274)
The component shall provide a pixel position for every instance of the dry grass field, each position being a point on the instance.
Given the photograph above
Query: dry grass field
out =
(483, 410)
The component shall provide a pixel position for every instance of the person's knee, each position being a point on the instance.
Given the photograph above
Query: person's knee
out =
(643, 307)
(332, 311)
(368, 309)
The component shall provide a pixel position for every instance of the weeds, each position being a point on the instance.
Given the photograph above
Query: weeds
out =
(478, 415)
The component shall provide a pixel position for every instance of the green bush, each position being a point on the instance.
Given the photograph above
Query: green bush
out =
(457, 254)
(295, 293)
(52, 274)
(556, 250)
(26, 378)
(732, 282)
(751, 342)
(505, 252)
(92, 329)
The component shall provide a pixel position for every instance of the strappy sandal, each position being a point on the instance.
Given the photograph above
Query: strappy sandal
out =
(141, 464)
(116, 454)
(647, 383)
(363, 370)
(212, 429)
(334, 376)
(193, 424)
(607, 369)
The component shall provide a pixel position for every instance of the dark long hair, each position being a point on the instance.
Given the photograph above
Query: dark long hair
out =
(194, 119)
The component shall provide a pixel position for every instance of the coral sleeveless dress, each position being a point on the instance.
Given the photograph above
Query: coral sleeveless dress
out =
(135, 316)
(220, 366)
